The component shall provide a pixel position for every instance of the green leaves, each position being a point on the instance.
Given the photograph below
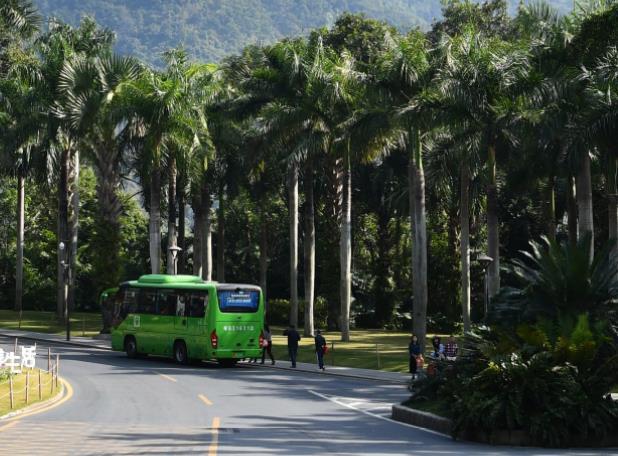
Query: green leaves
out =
(557, 279)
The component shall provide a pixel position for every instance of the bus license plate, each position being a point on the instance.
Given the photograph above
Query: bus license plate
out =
(238, 355)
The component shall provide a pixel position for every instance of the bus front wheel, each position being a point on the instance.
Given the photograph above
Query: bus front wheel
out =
(227, 362)
(180, 352)
(130, 346)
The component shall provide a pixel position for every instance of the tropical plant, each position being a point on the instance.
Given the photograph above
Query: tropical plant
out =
(557, 280)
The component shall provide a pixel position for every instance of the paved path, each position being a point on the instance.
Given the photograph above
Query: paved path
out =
(152, 406)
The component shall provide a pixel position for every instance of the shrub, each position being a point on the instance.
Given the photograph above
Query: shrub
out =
(555, 391)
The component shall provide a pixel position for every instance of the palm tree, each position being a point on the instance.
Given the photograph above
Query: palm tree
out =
(283, 103)
(19, 70)
(96, 105)
(601, 123)
(60, 45)
(163, 101)
(478, 80)
(396, 114)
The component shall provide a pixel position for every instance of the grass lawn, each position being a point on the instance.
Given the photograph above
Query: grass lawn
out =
(19, 388)
(88, 324)
(392, 348)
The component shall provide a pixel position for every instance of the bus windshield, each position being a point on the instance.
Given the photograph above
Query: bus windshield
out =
(238, 300)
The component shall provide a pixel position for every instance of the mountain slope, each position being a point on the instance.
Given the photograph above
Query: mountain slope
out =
(212, 29)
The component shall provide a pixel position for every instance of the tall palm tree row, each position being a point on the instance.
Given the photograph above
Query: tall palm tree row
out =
(479, 106)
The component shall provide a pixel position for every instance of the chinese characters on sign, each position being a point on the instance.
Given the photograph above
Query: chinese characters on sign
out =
(14, 362)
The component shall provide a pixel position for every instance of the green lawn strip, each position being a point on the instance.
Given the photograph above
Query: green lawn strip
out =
(82, 323)
(19, 394)
(392, 347)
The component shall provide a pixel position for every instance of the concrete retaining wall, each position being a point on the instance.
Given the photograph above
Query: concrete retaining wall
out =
(421, 419)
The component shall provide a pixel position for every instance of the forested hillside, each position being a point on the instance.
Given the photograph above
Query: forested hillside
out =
(211, 29)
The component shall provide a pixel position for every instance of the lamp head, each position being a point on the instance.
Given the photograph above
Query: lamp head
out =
(484, 260)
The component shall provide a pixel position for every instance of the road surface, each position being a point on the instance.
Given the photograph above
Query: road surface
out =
(154, 407)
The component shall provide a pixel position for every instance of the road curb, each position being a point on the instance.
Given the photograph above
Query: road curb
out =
(35, 408)
(422, 419)
(326, 372)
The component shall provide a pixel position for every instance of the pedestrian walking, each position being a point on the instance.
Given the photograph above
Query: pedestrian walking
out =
(414, 349)
(293, 339)
(267, 347)
(320, 348)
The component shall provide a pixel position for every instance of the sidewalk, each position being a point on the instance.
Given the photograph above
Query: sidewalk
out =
(77, 341)
(339, 371)
(366, 374)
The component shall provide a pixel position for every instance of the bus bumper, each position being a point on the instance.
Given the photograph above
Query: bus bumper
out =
(236, 354)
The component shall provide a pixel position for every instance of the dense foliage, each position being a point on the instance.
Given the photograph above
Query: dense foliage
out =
(361, 166)
(549, 375)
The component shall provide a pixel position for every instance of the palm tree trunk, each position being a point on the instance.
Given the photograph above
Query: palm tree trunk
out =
(464, 245)
(330, 286)
(550, 208)
(264, 256)
(220, 237)
(19, 272)
(206, 234)
(63, 234)
(493, 234)
(309, 249)
(345, 248)
(612, 204)
(572, 210)
(171, 216)
(74, 226)
(198, 222)
(584, 201)
(107, 237)
(293, 214)
(419, 245)
(182, 254)
(155, 219)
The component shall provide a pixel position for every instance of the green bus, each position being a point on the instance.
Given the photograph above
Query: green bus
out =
(183, 317)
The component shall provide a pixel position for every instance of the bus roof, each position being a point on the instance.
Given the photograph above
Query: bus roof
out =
(164, 278)
(185, 281)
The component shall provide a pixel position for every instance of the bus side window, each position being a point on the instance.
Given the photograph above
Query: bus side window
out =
(147, 302)
(129, 302)
(181, 299)
(167, 303)
(197, 304)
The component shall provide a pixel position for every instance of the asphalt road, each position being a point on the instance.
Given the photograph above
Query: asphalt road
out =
(152, 406)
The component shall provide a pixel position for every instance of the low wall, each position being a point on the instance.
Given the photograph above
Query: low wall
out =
(422, 419)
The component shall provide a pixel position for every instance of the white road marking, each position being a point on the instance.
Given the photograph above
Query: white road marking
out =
(375, 415)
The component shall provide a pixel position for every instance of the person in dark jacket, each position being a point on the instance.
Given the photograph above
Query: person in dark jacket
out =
(293, 339)
(414, 349)
(320, 345)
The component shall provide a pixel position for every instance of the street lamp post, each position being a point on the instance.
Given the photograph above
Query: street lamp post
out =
(485, 261)
(65, 286)
(175, 250)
